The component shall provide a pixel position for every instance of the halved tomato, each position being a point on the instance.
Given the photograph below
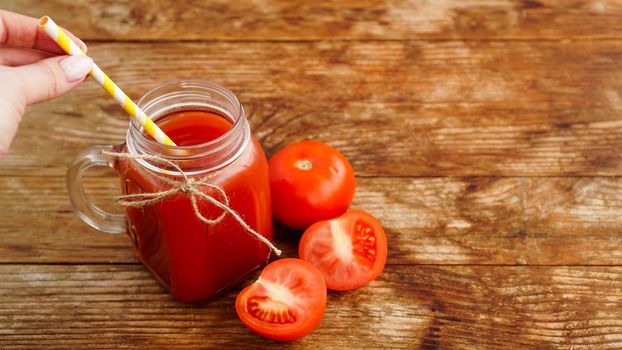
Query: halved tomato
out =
(286, 302)
(350, 250)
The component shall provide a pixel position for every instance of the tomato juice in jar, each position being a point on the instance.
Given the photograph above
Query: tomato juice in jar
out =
(193, 259)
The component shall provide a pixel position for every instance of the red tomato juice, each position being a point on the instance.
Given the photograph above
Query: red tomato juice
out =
(192, 259)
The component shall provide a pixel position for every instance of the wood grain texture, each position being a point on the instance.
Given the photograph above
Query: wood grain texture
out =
(508, 221)
(343, 20)
(394, 109)
(407, 307)
(485, 135)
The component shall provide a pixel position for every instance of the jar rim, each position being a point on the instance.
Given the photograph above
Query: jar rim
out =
(209, 84)
(179, 95)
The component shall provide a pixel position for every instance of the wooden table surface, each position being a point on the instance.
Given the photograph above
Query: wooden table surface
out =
(485, 135)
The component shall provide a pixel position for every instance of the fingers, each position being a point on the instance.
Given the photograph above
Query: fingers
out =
(23, 31)
(39, 77)
(12, 56)
(51, 77)
(11, 111)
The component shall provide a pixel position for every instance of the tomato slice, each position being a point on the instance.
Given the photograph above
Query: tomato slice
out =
(286, 302)
(350, 250)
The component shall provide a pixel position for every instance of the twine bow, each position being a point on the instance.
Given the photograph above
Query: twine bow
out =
(191, 187)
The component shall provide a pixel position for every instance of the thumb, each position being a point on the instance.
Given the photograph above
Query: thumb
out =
(51, 77)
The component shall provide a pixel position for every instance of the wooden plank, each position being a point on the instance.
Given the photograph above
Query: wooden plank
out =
(316, 20)
(509, 221)
(394, 109)
(424, 307)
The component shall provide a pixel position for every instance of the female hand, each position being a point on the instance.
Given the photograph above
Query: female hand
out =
(31, 70)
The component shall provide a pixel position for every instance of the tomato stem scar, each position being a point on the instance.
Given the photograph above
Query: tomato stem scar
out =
(304, 164)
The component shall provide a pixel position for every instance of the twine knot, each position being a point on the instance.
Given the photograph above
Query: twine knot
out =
(190, 187)
(187, 187)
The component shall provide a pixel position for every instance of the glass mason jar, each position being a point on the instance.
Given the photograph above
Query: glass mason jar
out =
(194, 260)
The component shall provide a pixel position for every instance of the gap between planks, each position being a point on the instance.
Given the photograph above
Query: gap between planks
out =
(307, 41)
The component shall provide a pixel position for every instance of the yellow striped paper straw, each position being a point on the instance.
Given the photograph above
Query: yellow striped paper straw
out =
(61, 38)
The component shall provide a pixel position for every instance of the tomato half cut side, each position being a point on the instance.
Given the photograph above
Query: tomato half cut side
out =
(350, 250)
(286, 302)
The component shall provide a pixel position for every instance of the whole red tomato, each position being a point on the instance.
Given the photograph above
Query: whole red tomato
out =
(310, 181)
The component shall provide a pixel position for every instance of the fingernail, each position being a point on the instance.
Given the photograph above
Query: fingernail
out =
(82, 45)
(76, 67)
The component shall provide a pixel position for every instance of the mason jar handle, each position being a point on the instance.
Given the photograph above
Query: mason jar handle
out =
(86, 210)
